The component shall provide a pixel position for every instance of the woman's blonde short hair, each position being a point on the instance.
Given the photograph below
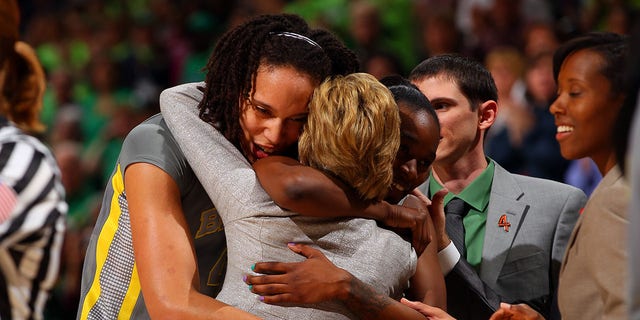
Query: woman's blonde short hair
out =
(353, 133)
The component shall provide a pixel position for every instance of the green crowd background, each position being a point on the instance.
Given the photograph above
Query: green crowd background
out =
(108, 60)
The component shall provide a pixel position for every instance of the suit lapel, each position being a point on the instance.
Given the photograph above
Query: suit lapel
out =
(504, 200)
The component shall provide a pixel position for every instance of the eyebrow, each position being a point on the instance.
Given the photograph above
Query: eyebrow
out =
(260, 103)
(443, 99)
(271, 108)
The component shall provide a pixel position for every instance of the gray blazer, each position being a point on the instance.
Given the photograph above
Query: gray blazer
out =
(521, 264)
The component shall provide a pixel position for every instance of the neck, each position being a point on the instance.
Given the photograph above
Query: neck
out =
(457, 175)
(605, 162)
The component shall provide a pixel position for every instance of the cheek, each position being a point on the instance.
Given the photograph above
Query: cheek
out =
(292, 132)
(451, 122)
(250, 125)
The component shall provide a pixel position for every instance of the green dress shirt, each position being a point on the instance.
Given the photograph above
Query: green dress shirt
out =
(476, 195)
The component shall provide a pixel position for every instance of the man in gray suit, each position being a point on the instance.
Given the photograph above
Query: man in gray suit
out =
(515, 228)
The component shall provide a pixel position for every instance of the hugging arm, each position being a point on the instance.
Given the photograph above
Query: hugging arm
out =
(301, 189)
(160, 231)
(290, 184)
(298, 282)
(427, 284)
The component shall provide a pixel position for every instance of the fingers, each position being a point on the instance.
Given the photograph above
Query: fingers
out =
(284, 267)
(415, 305)
(438, 198)
(264, 279)
(421, 236)
(417, 193)
(436, 211)
(305, 250)
(279, 298)
(420, 230)
(500, 314)
(409, 303)
(271, 267)
(516, 312)
(269, 289)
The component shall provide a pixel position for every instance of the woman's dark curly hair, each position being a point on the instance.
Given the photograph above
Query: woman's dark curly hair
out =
(232, 67)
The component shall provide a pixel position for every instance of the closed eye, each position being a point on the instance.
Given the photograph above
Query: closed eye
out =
(262, 111)
(301, 119)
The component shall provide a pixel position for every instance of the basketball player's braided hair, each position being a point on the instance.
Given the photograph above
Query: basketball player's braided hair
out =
(233, 66)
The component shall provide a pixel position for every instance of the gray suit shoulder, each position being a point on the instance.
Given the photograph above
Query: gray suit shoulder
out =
(550, 184)
(541, 191)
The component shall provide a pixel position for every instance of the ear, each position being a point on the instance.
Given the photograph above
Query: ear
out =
(487, 113)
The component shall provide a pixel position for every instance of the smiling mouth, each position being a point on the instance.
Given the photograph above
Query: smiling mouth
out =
(262, 152)
(564, 129)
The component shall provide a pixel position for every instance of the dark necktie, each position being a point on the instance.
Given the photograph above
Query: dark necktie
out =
(454, 211)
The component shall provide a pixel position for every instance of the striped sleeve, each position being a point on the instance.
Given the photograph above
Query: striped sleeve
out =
(31, 234)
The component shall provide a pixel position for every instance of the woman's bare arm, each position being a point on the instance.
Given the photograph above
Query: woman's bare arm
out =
(165, 257)
(427, 284)
(310, 192)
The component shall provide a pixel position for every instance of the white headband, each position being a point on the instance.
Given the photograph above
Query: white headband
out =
(297, 36)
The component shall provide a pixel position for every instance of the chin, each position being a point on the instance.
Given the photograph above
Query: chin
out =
(569, 155)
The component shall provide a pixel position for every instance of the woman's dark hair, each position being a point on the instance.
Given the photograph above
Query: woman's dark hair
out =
(233, 65)
(405, 91)
(614, 49)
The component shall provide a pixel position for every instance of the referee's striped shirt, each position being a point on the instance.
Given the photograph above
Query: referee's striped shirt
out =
(32, 223)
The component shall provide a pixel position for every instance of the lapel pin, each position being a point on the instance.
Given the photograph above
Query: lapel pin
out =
(502, 222)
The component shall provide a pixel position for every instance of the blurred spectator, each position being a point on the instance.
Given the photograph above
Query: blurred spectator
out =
(540, 146)
(609, 15)
(84, 201)
(381, 64)
(439, 33)
(203, 29)
(539, 38)
(524, 140)
(367, 25)
(513, 121)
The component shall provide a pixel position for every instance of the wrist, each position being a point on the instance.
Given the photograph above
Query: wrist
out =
(443, 242)
(345, 288)
(378, 211)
